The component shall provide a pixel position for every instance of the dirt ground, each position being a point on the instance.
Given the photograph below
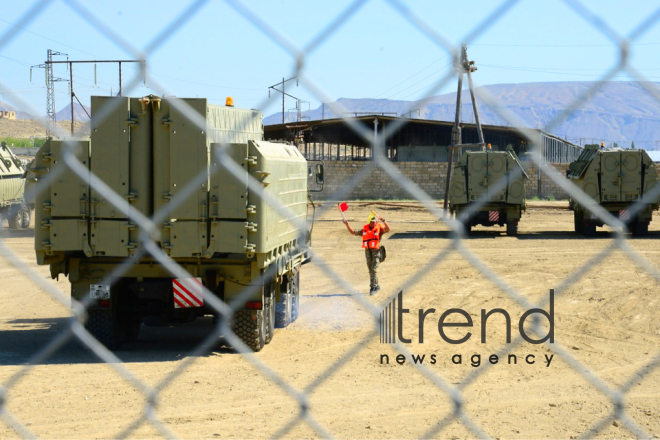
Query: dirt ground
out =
(607, 320)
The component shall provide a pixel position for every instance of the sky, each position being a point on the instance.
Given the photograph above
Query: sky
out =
(386, 50)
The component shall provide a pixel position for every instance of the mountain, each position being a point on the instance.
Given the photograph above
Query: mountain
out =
(79, 113)
(620, 112)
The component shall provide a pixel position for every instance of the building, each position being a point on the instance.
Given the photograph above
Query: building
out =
(4, 114)
(416, 140)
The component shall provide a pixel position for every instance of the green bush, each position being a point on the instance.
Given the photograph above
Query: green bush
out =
(23, 142)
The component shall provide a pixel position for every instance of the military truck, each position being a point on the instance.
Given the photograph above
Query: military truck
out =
(495, 177)
(613, 179)
(13, 207)
(223, 234)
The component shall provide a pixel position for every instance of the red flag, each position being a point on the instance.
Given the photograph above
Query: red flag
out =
(343, 207)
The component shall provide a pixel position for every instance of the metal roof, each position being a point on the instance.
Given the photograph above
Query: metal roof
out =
(280, 131)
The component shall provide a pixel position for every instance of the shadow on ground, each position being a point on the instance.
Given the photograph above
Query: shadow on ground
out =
(26, 337)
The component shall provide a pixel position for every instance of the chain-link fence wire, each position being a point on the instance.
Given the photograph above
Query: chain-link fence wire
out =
(149, 227)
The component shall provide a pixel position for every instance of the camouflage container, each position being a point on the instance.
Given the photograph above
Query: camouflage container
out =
(494, 177)
(13, 206)
(614, 179)
(153, 153)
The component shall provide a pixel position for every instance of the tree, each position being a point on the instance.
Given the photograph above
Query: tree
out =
(632, 145)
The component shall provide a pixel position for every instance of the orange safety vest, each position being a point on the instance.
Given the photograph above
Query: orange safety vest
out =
(371, 237)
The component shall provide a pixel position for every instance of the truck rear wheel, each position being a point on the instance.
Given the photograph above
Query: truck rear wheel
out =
(269, 313)
(640, 228)
(104, 327)
(511, 228)
(295, 305)
(19, 218)
(284, 307)
(577, 220)
(250, 327)
(588, 228)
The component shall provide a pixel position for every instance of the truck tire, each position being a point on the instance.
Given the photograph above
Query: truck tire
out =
(588, 228)
(640, 228)
(511, 228)
(250, 327)
(468, 227)
(19, 218)
(284, 307)
(577, 220)
(269, 313)
(131, 330)
(295, 305)
(104, 327)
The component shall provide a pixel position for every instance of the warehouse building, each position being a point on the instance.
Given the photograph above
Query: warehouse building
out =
(416, 140)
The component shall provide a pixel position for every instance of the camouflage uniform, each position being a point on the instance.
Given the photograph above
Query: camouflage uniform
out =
(373, 259)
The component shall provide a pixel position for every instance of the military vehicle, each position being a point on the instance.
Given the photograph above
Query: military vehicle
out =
(12, 186)
(494, 177)
(614, 179)
(223, 234)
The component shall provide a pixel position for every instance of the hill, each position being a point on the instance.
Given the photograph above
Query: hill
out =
(79, 113)
(19, 114)
(619, 112)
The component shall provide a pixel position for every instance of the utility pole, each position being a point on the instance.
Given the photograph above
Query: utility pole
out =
(284, 81)
(50, 89)
(323, 110)
(70, 65)
(464, 66)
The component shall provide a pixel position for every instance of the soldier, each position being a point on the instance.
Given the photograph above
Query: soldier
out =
(371, 234)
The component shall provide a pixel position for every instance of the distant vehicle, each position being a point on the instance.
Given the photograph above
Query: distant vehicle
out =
(223, 234)
(497, 178)
(13, 206)
(614, 179)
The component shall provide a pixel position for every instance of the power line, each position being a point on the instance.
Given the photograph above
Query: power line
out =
(561, 45)
(412, 76)
(49, 39)
(423, 79)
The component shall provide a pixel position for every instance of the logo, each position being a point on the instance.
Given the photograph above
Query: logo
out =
(392, 328)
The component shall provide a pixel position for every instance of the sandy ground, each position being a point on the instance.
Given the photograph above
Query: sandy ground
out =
(25, 128)
(607, 320)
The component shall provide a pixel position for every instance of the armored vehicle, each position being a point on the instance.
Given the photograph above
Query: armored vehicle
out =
(225, 236)
(12, 186)
(494, 177)
(614, 179)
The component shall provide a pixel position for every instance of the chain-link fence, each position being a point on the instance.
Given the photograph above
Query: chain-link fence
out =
(151, 247)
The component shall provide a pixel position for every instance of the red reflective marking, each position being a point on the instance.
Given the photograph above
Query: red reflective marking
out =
(185, 294)
(177, 302)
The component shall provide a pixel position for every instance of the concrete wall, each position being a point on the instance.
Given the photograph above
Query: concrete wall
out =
(430, 176)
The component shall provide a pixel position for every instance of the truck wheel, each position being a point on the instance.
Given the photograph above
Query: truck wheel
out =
(588, 228)
(468, 227)
(250, 327)
(132, 330)
(283, 308)
(19, 218)
(269, 313)
(577, 220)
(640, 228)
(104, 327)
(295, 305)
(511, 228)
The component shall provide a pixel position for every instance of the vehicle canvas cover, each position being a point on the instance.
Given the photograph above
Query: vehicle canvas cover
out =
(495, 176)
(608, 176)
(153, 153)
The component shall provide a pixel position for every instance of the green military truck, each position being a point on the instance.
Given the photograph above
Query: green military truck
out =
(613, 179)
(13, 207)
(496, 177)
(226, 237)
